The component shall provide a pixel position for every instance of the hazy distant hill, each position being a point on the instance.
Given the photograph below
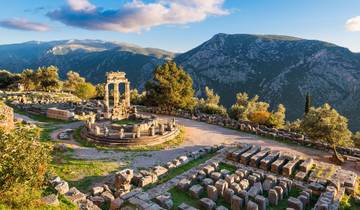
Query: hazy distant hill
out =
(280, 69)
(91, 58)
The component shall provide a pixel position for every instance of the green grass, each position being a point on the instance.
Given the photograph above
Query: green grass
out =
(45, 133)
(176, 141)
(40, 118)
(228, 167)
(180, 197)
(181, 169)
(81, 173)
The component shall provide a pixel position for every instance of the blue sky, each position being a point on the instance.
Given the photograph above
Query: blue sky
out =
(182, 25)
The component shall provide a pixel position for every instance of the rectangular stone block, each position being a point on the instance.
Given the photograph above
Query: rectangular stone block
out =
(255, 160)
(266, 162)
(306, 165)
(196, 190)
(245, 157)
(235, 156)
(289, 167)
(212, 192)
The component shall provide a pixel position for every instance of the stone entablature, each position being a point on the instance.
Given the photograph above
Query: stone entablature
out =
(6, 117)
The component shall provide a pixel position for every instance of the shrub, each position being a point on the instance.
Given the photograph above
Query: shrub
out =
(212, 109)
(260, 117)
(24, 163)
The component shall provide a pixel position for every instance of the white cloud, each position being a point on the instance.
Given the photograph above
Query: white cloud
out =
(79, 5)
(23, 24)
(353, 24)
(136, 15)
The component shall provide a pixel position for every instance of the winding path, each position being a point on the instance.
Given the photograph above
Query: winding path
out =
(197, 134)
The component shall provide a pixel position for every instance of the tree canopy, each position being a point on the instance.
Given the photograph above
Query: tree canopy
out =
(171, 87)
(327, 125)
(257, 111)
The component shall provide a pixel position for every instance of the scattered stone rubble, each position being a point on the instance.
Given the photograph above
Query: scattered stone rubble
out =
(249, 186)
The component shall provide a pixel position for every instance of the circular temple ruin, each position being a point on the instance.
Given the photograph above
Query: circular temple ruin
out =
(121, 125)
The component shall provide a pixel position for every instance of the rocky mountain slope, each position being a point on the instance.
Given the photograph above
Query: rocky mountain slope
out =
(280, 69)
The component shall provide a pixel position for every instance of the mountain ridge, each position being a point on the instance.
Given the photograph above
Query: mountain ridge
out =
(280, 69)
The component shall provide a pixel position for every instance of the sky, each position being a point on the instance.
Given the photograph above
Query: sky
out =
(178, 25)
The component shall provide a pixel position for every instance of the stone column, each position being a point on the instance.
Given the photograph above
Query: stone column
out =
(106, 97)
(127, 94)
(116, 95)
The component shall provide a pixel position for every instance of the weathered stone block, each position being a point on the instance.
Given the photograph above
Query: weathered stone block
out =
(236, 202)
(207, 181)
(196, 190)
(183, 184)
(207, 204)
(273, 197)
(252, 206)
(228, 193)
(261, 201)
(215, 176)
(245, 157)
(295, 203)
(212, 192)
(221, 185)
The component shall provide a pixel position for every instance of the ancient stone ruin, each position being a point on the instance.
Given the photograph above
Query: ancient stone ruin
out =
(121, 125)
(237, 177)
(120, 109)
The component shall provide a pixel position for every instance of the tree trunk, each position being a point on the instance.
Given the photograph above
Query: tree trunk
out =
(337, 157)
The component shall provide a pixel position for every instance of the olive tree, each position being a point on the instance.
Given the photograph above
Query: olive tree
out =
(327, 125)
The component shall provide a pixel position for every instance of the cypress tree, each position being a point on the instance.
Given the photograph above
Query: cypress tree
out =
(307, 103)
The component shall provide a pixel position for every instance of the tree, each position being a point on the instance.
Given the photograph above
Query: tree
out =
(136, 97)
(211, 104)
(171, 87)
(211, 97)
(244, 106)
(73, 80)
(307, 103)
(100, 90)
(48, 78)
(277, 119)
(327, 125)
(28, 79)
(85, 90)
(24, 163)
(356, 139)
(8, 80)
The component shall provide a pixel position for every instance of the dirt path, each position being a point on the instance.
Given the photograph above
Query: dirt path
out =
(197, 134)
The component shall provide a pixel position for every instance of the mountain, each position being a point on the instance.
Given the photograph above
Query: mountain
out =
(91, 58)
(280, 69)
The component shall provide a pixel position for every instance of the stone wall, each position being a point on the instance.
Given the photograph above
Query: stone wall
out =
(249, 127)
(6, 117)
(60, 114)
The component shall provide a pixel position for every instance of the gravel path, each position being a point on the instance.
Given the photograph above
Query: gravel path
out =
(197, 134)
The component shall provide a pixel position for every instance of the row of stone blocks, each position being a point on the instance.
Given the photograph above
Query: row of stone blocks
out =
(274, 161)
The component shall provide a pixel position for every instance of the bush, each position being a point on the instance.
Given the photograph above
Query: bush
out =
(24, 163)
(212, 109)
(260, 117)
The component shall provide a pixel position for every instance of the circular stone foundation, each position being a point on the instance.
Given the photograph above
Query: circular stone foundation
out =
(134, 131)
